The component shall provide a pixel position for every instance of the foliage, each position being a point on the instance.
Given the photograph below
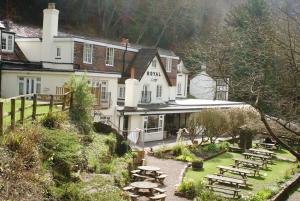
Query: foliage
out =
(159, 153)
(188, 188)
(186, 155)
(100, 127)
(62, 151)
(83, 102)
(12, 141)
(111, 142)
(197, 164)
(177, 149)
(53, 119)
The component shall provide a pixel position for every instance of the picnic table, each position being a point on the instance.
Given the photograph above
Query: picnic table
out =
(149, 168)
(242, 172)
(255, 164)
(266, 145)
(144, 185)
(222, 179)
(262, 152)
(263, 158)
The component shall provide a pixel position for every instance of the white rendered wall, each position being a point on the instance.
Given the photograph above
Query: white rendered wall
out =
(152, 82)
(31, 49)
(203, 86)
(49, 81)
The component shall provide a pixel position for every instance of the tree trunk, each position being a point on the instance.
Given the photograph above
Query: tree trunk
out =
(265, 122)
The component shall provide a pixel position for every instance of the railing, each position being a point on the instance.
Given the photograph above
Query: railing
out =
(146, 97)
(28, 106)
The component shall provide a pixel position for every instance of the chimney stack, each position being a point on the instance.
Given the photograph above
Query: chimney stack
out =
(132, 73)
(51, 5)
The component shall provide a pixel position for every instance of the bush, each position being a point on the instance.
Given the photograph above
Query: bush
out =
(13, 141)
(197, 164)
(83, 102)
(53, 120)
(186, 155)
(111, 142)
(177, 150)
(187, 188)
(100, 127)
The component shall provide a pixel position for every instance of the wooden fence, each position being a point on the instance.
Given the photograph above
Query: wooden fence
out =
(36, 101)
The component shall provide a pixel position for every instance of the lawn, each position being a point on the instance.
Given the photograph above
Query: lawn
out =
(28, 112)
(276, 172)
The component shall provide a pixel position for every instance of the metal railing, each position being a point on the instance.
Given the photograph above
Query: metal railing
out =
(146, 97)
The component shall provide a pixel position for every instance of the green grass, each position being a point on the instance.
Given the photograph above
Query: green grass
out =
(275, 173)
(28, 112)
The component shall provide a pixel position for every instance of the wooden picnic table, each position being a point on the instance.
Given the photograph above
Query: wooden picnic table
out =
(149, 168)
(263, 158)
(144, 185)
(255, 164)
(266, 145)
(262, 152)
(242, 172)
(217, 178)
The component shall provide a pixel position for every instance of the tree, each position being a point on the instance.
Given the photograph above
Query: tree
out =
(236, 118)
(263, 64)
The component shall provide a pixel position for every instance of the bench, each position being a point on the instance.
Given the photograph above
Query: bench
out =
(262, 152)
(235, 149)
(135, 171)
(234, 192)
(132, 196)
(161, 178)
(141, 177)
(128, 188)
(265, 159)
(160, 197)
(232, 177)
(159, 190)
(222, 179)
(242, 172)
(248, 163)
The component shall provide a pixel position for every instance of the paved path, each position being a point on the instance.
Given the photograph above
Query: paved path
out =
(295, 196)
(173, 169)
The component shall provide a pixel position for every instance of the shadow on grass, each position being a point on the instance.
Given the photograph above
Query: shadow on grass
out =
(260, 177)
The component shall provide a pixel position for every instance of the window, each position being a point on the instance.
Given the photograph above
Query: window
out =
(21, 85)
(110, 53)
(169, 65)
(58, 52)
(221, 89)
(158, 91)
(154, 63)
(153, 123)
(7, 42)
(88, 53)
(179, 90)
(29, 85)
(121, 93)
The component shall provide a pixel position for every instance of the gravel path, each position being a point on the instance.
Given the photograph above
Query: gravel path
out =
(173, 169)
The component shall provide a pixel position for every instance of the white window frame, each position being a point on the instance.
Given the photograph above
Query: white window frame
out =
(109, 56)
(169, 65)
(88, 53)
(160, 124)
(121, 92)
(158, 91)
(7, 39)
(37, 88)
(179, 88)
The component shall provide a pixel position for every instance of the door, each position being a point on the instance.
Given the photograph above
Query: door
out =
(104, 90)
(29, 85)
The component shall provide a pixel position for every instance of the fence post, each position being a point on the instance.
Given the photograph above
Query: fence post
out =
(64, 102)
(51, 103)
(34, 105)
(22, 110)
(13, 114)
(1, 118)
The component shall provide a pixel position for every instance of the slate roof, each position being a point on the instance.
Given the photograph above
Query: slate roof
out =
(141, 62)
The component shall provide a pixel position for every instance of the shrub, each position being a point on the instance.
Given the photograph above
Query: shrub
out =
(100, 127)
(122, 146)
(13, 141)
(186, 156)
(106, 168)
(83, 102)
(177, 150)
(187, 188)
(53, 120)
(197, 164)
(111, 142)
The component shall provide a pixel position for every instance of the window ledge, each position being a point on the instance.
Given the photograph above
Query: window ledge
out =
(87, 62)
(109, 65)
(7, 51)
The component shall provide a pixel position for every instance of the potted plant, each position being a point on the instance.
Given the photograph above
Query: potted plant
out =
(197, 164)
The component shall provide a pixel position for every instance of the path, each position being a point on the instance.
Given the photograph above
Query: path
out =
(173, 169)
(295, 196)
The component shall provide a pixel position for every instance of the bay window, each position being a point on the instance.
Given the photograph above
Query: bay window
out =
(153, 123)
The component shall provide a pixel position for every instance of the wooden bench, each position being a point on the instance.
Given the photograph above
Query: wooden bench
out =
(161, 197)
(159, 190)
(128, 188)
(269, 146)
(265, 159)
(232, 177)
(234, 192)
(262, 152)
(248, 163)
(135, 171)
(141, 177)
(132, 196)
(161, 178)
(227, 180)
(235, 149)
(242, 172)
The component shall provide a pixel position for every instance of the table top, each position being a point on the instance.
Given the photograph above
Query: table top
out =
(248, 161)
(149, 168)
(234, 169)
(227, 179)
(144, 185)
(262, 151)
(256, 155)
(264, 143)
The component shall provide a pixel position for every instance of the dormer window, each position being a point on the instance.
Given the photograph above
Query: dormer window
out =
(7, 42)
(154, 62)
(169, 65)
(88, 53)
(110, 54)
